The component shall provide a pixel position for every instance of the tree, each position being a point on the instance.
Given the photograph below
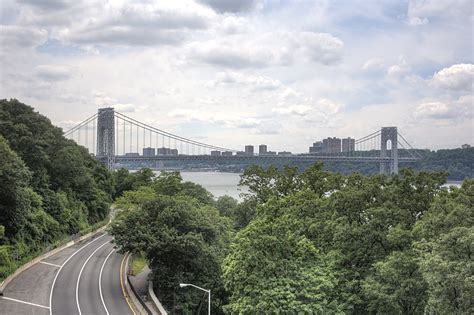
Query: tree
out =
(273, 266)
(446, 239)
(182, 235)
(227, 206)
(396, 285)
(14, 181)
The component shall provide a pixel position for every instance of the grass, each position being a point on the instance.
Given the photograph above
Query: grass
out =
(138, 263)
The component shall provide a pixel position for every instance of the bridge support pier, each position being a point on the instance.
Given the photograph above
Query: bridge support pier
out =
(389, 166)
(106, 136)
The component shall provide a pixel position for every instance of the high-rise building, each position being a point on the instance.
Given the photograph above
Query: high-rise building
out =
(284, 153)
(227, 153)
(173, 151)
(249, 149)
(332, 145)
(348, 144)
(262, 149)
(163, 151)
(317, 147)
(148, 151)
(216, 153)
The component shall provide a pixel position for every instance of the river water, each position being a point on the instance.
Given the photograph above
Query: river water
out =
(217, 183)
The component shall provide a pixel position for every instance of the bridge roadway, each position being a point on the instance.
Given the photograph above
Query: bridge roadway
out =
(85, 278)
(255, 159)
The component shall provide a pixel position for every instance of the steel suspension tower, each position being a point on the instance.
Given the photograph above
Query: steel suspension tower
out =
(106, 136)
(391, 166)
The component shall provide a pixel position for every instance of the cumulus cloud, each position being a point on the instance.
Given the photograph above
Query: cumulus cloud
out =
(233, 6)
(328, 107)
(320, 47)
(455, 110)
(15, 36)
(269, 49)
(53, 72)
(232, 54)
(373, 64)
(457, 77)
(420, 12)
(254, 82)
(399, 68)
(48, 5)
(125, 108)
(300, 110)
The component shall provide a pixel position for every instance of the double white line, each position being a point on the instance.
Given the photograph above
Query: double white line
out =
(61, 267)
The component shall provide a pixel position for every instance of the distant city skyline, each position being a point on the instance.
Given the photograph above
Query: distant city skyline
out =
(281, 73)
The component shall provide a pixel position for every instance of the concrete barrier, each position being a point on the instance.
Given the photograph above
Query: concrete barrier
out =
(130, 292)
(156, 302)
(35, 260)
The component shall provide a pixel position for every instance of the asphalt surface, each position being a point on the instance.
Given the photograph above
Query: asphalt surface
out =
(82, 279)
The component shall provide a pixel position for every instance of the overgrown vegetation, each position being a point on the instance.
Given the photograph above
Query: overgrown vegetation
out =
(307, 242)
(50, 187)
(185, 239)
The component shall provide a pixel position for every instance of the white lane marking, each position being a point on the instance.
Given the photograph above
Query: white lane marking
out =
(47, 263)
(59, 270)
(100, 280)
(80, 274)
(24, 302)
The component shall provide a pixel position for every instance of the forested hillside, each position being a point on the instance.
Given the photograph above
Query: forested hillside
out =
(50, 187)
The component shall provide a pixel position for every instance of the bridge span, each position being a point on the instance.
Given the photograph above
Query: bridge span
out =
(116, 139)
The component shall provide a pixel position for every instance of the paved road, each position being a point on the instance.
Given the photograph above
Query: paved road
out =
(82, 279)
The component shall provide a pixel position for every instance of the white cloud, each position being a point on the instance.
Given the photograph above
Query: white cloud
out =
(456, 77)
(420, 12)
(230, 54)
(328, 107)
(125, 108)
(373, 64)
(230, 78)
(301, 110)
(320, 47)
(398, 69)
(269, 49)
(454, 110)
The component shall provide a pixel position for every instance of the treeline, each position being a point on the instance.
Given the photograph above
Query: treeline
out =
(458, 163)
(50, 187)
(305, 243)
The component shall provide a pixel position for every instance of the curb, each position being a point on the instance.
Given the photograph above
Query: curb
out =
(130, 292)
(37, 259)
(156, 302)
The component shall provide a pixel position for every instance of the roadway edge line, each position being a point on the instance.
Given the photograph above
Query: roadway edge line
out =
(80, 274)
(37, 259)
(59, 270)
(125, 294)
(100, 280)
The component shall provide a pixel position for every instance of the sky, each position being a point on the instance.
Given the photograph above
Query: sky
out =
(237, 72)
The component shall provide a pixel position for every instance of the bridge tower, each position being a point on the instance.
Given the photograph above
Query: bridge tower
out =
(106, 136)
(391, 166)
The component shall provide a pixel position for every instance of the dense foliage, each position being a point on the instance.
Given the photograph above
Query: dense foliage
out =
(310, 242)
(176, 225)
(49, 186)
(389, 245)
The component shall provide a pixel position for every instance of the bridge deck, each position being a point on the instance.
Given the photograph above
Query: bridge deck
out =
(256, 158)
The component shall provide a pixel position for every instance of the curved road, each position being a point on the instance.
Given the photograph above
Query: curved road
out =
(85, 278)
